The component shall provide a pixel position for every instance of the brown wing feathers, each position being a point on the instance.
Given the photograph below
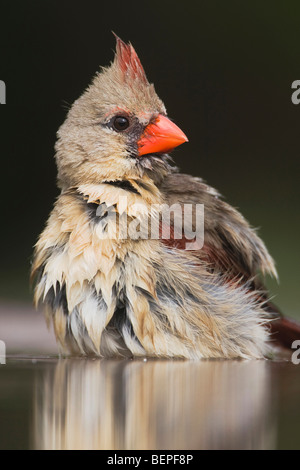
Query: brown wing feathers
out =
(230, 247)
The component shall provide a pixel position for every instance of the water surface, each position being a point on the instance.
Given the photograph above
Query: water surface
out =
(51, 403)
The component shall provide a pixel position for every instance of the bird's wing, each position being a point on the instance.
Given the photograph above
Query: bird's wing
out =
(230, 246)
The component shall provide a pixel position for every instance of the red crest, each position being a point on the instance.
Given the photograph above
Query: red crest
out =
(128, 61)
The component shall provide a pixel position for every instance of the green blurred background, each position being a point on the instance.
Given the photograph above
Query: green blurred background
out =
(224, 71)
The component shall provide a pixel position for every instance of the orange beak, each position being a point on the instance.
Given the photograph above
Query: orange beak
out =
(161, 136)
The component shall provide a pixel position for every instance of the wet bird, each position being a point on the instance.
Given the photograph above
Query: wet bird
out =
(109, 287)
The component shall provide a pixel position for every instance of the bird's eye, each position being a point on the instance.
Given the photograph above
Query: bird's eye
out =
(120, 123)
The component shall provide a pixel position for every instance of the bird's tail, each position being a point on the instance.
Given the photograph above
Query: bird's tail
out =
(284, 330)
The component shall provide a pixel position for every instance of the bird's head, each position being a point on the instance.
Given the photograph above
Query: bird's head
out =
(117, 129)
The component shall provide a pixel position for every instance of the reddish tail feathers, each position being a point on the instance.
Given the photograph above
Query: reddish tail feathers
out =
(285, 331)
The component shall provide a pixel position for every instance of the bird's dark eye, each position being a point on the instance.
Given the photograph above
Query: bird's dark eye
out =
(120, 123)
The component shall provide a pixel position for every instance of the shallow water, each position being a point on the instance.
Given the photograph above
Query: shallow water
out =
(50, 403)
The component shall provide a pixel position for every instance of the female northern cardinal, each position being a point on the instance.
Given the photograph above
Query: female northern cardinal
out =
(108, 294)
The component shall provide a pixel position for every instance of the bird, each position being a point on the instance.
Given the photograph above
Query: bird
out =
(111, 288)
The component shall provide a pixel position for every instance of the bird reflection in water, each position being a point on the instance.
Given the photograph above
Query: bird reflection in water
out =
(94, 404)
